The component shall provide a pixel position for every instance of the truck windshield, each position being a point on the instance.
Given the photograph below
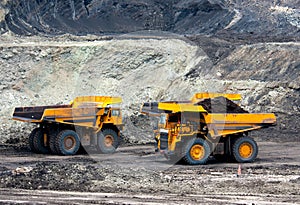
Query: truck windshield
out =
(162, 119)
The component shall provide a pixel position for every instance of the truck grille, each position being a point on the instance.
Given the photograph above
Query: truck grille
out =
(163, 141)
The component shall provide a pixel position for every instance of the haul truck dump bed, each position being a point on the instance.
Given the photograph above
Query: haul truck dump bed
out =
(208, 124)
(62, 129)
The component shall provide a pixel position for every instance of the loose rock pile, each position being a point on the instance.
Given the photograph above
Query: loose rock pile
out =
(221, 105)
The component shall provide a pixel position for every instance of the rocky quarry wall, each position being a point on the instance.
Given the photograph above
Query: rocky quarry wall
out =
(225, 17)
(42, 72)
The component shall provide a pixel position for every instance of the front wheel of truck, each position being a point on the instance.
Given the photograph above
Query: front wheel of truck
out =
(107, 141)
(244, 150)
(67, 142)
(196, 151)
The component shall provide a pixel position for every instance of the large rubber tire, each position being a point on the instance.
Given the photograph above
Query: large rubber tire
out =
(38, 142)
(107, 141)
(244, 150)
(31, 139)
(52, 143)
(67, 142)
(196, 151)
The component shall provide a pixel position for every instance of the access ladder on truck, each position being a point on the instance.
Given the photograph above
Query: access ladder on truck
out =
(87, 121)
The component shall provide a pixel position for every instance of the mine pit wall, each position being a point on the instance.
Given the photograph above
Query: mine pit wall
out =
(102, 17)
(143, 70)
(44, 17)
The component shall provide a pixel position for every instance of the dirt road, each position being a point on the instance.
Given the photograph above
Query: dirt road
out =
(138, 175)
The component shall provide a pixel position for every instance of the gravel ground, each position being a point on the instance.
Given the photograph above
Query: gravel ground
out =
(137, 172)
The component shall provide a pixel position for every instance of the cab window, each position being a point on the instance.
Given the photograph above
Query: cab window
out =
(162, 119)
(115, 112)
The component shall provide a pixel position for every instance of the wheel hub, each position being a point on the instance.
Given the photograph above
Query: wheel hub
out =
(108, 140)
(69, 142)
(197, 152)
(246, 150)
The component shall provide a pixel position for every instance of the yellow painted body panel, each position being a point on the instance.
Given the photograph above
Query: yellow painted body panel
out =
(201, 96)
(180, 107)
(225, 124)
(97, 101)
(238, 118)
(86, 111)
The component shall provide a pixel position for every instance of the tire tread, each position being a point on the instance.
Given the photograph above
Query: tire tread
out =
(186, 151)
(235, 149)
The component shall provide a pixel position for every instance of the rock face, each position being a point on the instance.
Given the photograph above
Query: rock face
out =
(91, 16)
(264, 18)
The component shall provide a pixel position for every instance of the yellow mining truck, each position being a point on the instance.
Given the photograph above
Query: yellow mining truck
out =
(86, 121)
(210, 124)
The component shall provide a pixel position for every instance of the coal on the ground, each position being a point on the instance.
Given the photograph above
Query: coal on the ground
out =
(220, 105)
(54, 176)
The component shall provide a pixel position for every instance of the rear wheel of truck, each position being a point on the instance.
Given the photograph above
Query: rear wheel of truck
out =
(31, 139)
(52, 143)
(38, 142)
(107, 141)
(244, 150)
(67, 142)
(196, 151)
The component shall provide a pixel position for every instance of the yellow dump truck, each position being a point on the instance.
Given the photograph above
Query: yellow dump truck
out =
(210, 124)
(86, 121)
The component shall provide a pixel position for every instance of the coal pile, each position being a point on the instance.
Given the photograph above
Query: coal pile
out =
(83, 175)
(53, 176)
(221, 105)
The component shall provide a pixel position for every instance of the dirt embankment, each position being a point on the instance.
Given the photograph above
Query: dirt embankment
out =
(225, 18)
(141, 70)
